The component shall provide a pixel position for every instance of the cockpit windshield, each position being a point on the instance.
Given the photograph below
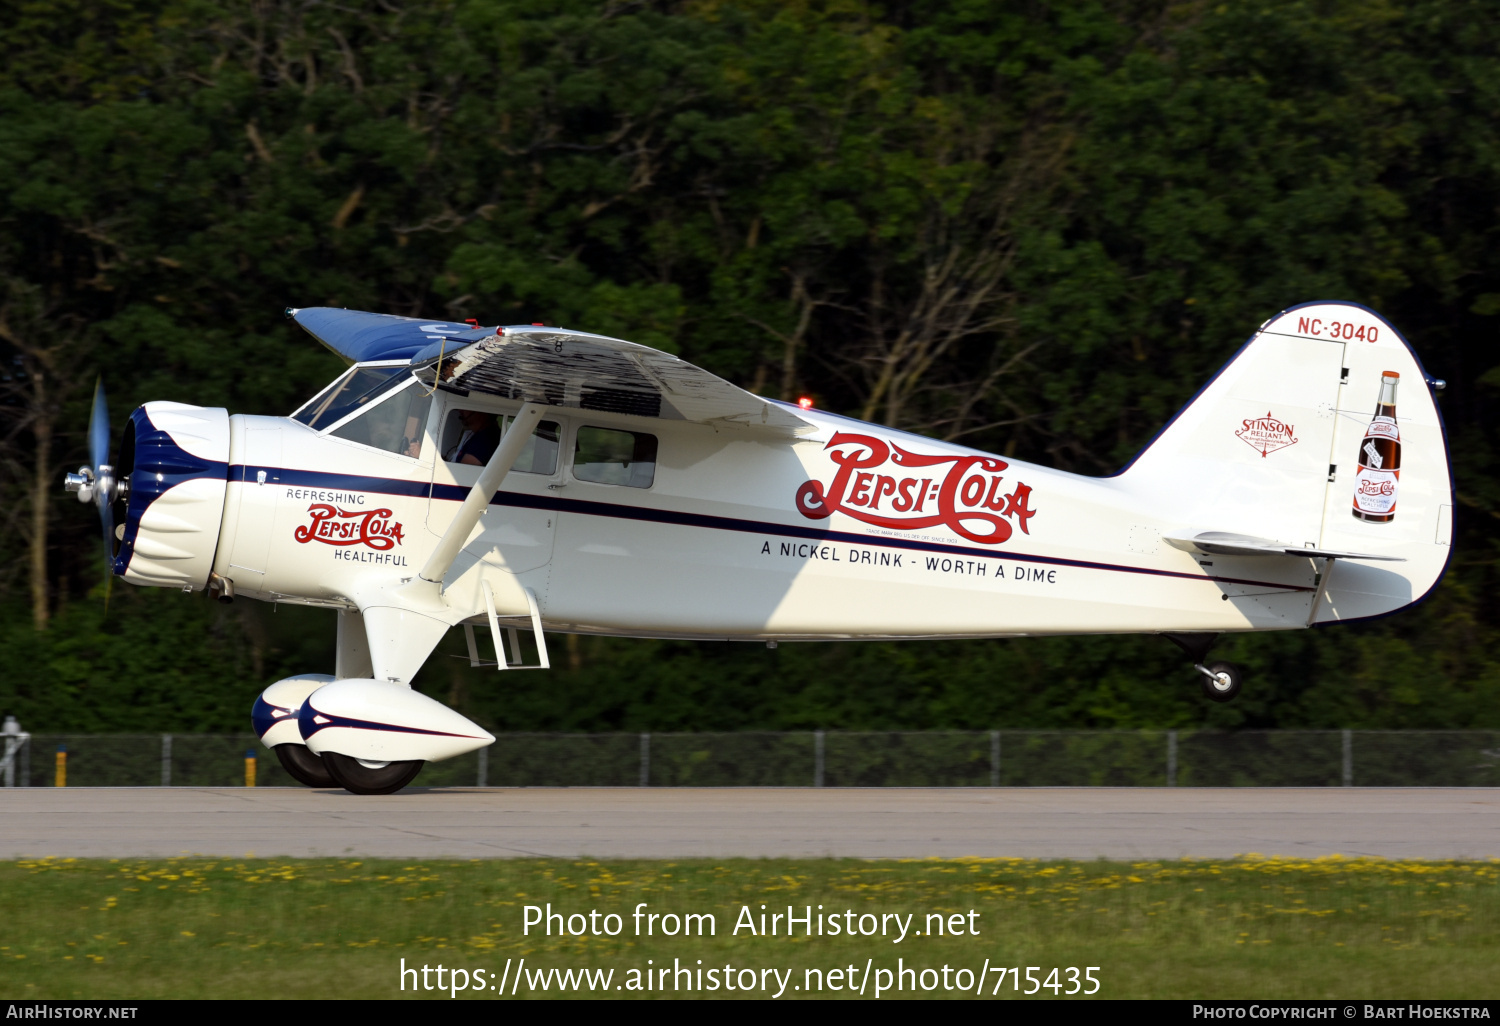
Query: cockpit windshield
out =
(361, 386)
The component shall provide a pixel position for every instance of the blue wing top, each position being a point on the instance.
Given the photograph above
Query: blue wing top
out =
(360, 337)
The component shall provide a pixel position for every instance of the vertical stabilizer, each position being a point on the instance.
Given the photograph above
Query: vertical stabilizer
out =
(1322, 433)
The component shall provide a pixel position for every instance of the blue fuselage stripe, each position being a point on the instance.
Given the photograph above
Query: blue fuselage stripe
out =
(456, 493)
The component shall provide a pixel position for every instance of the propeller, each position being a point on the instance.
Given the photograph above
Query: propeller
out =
(95, 482)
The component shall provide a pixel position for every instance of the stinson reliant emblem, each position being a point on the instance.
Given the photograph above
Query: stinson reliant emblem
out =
(1266, 434)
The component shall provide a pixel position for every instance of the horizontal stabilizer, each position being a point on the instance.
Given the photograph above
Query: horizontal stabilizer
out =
(1223, 543)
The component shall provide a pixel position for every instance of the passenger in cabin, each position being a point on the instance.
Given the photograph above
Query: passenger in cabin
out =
(477, 443)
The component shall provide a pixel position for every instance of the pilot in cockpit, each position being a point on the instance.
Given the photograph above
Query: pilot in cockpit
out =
(478, 441)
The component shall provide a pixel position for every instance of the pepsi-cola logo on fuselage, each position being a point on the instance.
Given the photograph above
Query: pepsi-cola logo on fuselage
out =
(964, 493)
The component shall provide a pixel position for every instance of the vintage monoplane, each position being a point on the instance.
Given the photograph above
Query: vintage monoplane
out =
(528, 479)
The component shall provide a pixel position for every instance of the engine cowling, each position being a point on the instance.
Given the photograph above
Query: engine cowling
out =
(173, 468)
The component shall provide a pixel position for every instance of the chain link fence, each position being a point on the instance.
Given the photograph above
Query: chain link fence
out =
(999, 758)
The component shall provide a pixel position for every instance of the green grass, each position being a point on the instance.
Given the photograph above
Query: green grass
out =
(1252, 927)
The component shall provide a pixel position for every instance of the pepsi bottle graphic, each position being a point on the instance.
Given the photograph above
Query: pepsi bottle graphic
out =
(1379, 459)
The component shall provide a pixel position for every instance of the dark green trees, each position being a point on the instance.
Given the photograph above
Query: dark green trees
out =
(1036, 229)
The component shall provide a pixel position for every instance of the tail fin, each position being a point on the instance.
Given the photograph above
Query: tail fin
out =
(1275, 447)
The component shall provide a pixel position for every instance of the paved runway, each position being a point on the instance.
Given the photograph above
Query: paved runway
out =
(1076, 823)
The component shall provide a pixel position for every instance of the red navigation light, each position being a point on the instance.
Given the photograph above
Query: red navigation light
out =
(537, 324)
(805, 402)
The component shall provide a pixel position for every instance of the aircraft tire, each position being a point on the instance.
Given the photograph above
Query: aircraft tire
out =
(304, 765)
(1217, 689)
(361, 778)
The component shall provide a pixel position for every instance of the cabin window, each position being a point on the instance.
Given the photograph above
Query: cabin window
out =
(605, 456)
(395, 425)
(472, 436)
(359, 387)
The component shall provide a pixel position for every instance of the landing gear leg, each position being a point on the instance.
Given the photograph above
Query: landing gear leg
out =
(1221, 681)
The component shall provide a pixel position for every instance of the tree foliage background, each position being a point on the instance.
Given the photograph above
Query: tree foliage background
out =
(1037, 228)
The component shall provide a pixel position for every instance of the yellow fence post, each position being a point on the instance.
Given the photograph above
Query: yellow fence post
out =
(61, 779)
(250, 767)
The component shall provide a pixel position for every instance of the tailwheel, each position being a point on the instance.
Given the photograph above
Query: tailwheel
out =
(362, 776)
(304, 765)
(1221, 681)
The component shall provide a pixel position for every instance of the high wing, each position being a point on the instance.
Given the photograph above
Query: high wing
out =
(581, 371)
(551, 366)
(361, 337)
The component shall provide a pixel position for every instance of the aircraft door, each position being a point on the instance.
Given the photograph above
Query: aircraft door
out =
(515, 534)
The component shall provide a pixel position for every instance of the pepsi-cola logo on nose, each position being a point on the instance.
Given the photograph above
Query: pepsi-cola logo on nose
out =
(332, 525)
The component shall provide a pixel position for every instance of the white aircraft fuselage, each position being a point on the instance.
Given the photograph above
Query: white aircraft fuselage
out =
(1307, 483)
(717, 547)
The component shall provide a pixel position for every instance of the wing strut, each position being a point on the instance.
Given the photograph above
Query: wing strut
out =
(478, 499)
